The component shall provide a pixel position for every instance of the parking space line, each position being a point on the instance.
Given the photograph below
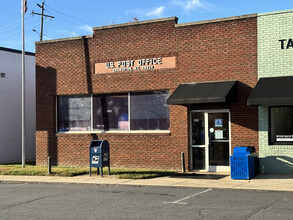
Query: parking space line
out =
(188, 197)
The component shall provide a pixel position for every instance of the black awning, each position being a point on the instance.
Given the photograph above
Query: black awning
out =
(201, 93)
(272, 91)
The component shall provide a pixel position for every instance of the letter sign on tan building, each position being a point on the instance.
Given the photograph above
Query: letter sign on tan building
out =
(136, 65)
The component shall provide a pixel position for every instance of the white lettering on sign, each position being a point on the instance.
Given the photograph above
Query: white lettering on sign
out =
(110, 65)
(284, 137)
(129, 65)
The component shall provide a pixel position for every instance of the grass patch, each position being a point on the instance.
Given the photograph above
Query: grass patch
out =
(31, 170)
(120, 173)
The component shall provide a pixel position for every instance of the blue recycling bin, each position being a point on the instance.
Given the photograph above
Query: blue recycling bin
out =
(242, 163)
(99, 155)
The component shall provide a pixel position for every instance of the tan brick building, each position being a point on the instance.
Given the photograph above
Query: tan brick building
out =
(116, 84)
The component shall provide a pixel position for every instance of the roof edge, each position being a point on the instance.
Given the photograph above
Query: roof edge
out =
(16, 51)
(275, 13)
(221, 81)
(217, 20)
(64, 39)
(135, 23)
(148, 22)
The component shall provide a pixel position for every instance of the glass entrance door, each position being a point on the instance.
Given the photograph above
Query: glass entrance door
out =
(210, 140)
(198, 142)
(219, 143)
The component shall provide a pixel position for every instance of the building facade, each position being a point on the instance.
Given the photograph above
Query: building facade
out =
(273, 93)
(10, 106)
(153, 89)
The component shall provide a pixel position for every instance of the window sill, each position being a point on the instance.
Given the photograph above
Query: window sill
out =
(117, 132)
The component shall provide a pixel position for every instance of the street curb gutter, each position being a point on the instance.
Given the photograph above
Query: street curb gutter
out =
(131, 183)
(115, 184)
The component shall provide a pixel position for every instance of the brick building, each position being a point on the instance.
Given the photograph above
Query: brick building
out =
(153, 89)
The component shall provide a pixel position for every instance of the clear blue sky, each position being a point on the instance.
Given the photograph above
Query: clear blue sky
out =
(77, 17)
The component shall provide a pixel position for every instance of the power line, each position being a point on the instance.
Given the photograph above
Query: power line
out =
(17, 42)
(68, 19)
(71, 17)
(8, 25)
(18, 31)
(14, 24)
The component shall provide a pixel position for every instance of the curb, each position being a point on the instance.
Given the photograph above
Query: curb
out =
(265, 184)
(99, 184)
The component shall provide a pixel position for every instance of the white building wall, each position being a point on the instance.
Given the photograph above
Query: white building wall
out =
(10, 107)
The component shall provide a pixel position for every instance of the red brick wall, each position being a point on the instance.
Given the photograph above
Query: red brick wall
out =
(208, 52)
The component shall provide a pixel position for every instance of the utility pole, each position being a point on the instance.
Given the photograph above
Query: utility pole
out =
(42, 18)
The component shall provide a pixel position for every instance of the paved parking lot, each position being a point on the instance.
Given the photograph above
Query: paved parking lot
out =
(70, 201)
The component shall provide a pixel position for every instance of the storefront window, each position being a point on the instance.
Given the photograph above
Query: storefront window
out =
(74, 113)
(149, 111)
(281, 125)
(110, 112)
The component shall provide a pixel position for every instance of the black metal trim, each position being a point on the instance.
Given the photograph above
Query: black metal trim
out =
(16, 51)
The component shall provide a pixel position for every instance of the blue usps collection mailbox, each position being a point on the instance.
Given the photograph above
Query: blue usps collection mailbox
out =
(99, 155)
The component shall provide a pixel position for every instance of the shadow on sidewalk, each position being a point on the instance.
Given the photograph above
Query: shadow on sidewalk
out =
(199, 176)
(274, 176)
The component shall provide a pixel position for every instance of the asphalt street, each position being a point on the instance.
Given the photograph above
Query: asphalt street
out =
(72, 201)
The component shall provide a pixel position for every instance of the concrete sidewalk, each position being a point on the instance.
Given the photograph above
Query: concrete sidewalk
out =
(199, 180)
